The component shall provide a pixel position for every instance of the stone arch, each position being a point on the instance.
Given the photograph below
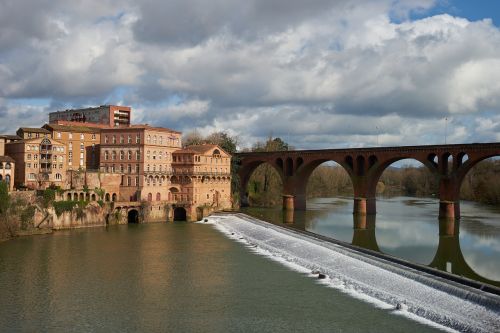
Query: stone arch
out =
(248, 169)
(349, 161)
(372, 160)
(107, 197)
(69, 197)
(114, 197)
(180, 214)
(93, 197)
(444, 163)
(279, 163)
(133, 216)
(81, 197)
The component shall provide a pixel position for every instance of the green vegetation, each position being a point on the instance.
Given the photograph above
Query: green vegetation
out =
(14, 214)
(67, 206)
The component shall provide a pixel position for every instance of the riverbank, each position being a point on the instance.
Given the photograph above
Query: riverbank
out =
(379, 281)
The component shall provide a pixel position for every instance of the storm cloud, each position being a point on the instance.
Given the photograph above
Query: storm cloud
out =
(319, 73)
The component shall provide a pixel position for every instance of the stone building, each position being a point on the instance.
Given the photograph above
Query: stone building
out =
(82, 144)
(39, 162)
(109, 115)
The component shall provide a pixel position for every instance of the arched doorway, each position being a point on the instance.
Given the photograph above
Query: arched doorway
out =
(133, 216)
(180, 214)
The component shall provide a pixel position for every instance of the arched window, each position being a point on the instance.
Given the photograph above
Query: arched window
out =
(7, 166)
(150, 197)
(122, 139)
(149, 139)
(158, 197)
(58, 176)
(138, 155)
(113, 154)
(122, 155)
(106, 139)
(129, 155)
(154, 155)
(129, 138)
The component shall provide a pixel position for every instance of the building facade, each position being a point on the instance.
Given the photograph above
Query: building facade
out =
(109, 115)
(136, 153)
(82, 144)
(7, 171)
(39, 162)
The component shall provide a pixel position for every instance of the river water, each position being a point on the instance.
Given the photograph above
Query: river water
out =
(408, 228)
(175, 277)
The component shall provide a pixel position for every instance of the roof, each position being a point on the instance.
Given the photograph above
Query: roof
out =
(78, 123)
(201, 149)
(72, 128)
(7, 159)
(34, 129)
(143, 127)
(10, 137)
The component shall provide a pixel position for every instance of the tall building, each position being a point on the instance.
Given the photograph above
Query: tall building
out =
(136, 153)
(39, 162)
(109, 115)
(82, 144)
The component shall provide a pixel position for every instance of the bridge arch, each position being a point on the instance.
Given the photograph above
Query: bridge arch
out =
(247, 170)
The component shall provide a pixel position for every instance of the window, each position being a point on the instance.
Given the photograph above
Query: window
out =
(138, 155)
(129, 181)
(93, 136)
(122, 169)
(28, 165)
(160, 155)
(29, 135)
(29, 157)
(106, 139)
(60, 166)
(147, 168)
(122, 155)
(129, 138)
(58, 135)
(32, 176)
(35, 157)
(154, 139)
(122, 139)
(149, 139)
(147, 154)
(82, 147)
(82, 136)
(161, 140)
(137, 168)
(114, 138)
(129, 155)
(70, 146)
(154, 155)
(138, 138)
(106, 155)
(129, 168)
(113, 155)
(58, 176)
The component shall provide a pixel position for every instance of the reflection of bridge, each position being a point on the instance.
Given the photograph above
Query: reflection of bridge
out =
(449, 163)
(448, 256)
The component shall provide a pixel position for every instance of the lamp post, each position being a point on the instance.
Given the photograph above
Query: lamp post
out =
(377, 134)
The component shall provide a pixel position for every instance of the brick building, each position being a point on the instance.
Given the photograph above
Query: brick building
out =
(138, 152)
(109, 115)
(39, 162)
(82, 144)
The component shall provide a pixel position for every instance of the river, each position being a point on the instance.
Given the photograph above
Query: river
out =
(408, 228)
(175, 277)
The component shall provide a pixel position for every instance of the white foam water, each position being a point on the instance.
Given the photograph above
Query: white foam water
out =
(416, 295)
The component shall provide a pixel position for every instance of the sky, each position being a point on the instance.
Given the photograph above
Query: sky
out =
(318, 73)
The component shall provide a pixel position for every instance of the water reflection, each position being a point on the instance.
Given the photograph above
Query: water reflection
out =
(413, 241)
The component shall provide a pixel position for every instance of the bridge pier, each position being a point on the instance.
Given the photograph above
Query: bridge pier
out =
(446, 209)
(364, 206)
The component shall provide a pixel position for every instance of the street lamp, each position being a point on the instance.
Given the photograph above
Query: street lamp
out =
(445, 129)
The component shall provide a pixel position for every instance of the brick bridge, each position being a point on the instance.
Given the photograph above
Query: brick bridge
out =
(449, 163)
